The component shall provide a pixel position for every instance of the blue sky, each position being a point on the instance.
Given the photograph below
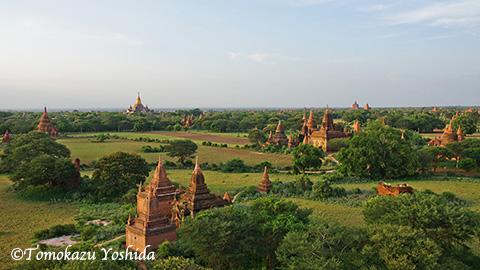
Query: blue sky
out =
(267, 53)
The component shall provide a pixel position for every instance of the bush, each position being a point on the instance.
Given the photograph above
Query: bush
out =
(235, 165)
(467, 164)
(323, 190)
(56, 231)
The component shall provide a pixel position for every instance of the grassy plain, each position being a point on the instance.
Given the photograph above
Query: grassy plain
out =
(22, 218)
(89, 151)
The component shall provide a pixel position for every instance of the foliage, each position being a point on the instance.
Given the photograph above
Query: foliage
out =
(467, 164)
(235, 165)
(55, 231)
(440, 218)
(150, 149)
(299, 186)
(378, 152)
(256, 136)
(323, 190)
(181, 149)
(26, 147)
(430, 156)
(306, 156)
(45, 170)
(117, 173)
(176, 263)
(402, 247)
(322, 246)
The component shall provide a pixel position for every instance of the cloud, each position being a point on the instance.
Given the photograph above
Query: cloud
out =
(261, 57)
(374, 8)
(301, 3)
(463, 13)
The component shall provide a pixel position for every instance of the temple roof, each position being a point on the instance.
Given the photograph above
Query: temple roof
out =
(280, 128)
(160, 178)
(311, 120)
(139, 100)
(459, 130)
(356, 126)
(327, 121)
(197, 176)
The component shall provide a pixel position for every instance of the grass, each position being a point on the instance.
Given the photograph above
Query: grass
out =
(21, 218)
(198, 137)
(89, 151)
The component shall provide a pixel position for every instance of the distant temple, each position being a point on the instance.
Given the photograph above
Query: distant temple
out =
(7, 137)
(279, 138)
(448, 135)
(153, 224)
(265, 185)
(366, 107)
(355, 106)
(356, 127)
(46, 126)
(138, 107)
(320, 137)
(187, 121)
(385, 189)
(197, 197)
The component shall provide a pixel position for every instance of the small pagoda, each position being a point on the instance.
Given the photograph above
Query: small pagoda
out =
(448, 135)
(7, 137)
(198, 197)
(265, 185)
(46, 126)
(367, 107)
(355, 106)
(356, 127)
(153, 225)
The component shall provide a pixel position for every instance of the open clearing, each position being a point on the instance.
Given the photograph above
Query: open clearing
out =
(22, 218)
(89, 151)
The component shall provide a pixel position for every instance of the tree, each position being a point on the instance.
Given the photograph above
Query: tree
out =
(45, 170)
(473, 153)
(26, 147)
(430, 156)
(456, 148)
(467, 164)
(440, 218)
(116, 173)
(401, 247)
(224, 238)
(256, 136)
(179, 263)
(306, 156)
(275, 218)
(323, 246)
(181, 149)
(378, 152)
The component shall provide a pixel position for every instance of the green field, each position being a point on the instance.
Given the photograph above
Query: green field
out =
(21, 218)
(89, 151)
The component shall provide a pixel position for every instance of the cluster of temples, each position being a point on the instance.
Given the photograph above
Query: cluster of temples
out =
(279, 138)
(138, 107)
(356, 106)
(46, 126)
(449, 135)
(320, 137)
(161, 207)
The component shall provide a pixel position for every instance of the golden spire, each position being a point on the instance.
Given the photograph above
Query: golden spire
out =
(139, 100)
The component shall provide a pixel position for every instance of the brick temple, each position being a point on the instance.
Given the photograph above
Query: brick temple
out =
(46, 126)
(153, 224)
(279, 138)
(320, 137)
(7, 137)
(385, 189)
(265, 185)
(449, 135)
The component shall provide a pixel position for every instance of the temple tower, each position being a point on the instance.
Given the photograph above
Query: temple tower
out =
(153, 224)
(355, 106)
(311, 124)
(356, 127)
(46, 126)
(265, 185)
(460, 135)
(198, 196)
(6, 137)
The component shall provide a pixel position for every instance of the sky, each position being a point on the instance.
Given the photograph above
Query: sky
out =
(239, 53)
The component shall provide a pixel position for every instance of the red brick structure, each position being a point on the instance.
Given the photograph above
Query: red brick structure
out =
(448, 135)
(198, 196)
(265, 185)
(46, 126)
(7, 137)
(319, 138)
(385, 189)
(227, 198)
(279, 138)
(356, 127)
(355, 106)
(187, 121)
(366, 107)
(153, 224)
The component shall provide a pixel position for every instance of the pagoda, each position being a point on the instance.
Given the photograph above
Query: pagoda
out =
(366, 107)
(46, 126)
(448, 135)
(198, 196)
(355, 106)
(311, 124)
(356, 127)
(319, 138)
(153, 225)
(292, 141)
(7, 137)
(138, 107)
(265, 185)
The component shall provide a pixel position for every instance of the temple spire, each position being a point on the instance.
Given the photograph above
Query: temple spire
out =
(265, 185)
